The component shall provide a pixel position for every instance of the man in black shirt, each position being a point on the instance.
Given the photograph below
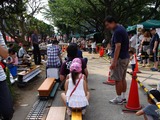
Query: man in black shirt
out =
(154, 44)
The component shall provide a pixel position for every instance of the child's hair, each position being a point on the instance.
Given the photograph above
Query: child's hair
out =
(74, 76)
(131, 52)
(11, 51)
(156, 94)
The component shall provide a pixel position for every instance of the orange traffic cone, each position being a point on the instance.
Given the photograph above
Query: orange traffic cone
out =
(109, 81)
(137, 68)
(133, 100)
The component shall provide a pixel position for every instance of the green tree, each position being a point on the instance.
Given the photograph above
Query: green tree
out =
(89, 14)
(17, 19)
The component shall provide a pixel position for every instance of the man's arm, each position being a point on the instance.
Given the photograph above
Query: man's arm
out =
(116, 55)
(86, 72)
(155, 46)
(62, 72)
(3, 52)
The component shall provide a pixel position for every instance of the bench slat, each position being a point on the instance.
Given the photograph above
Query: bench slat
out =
(56, 113)
(76, 115)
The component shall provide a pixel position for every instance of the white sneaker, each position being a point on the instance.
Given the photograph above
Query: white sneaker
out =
(69, 112)
(116, 101)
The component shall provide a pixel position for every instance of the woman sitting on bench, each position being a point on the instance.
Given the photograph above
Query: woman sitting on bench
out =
(76, 95)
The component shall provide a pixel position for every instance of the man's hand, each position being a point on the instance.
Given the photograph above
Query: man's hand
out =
(154, 50)
(113, 65)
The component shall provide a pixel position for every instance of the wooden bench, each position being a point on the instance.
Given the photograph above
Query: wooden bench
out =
(56, 113)
(76, 115)
(46, 87)
(27, 75)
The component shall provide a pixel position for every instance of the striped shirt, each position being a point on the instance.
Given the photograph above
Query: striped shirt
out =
(2, 73)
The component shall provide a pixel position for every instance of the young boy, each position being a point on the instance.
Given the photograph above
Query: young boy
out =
(149, 111)
(132, 60)
(13, 62)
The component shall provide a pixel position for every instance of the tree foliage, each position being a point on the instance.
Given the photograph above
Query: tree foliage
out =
(89, 14)
(17, 19)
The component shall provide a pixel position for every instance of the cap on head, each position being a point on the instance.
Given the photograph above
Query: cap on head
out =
(75, 67)
(152, 29)
(77, 60)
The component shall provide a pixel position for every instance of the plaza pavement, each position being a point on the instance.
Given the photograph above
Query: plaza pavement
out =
(100, 108)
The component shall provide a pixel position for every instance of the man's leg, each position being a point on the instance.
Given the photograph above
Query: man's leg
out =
(119, 87)
(156, 60)
(6, 105)
(35, 54)
(116, 74)
(124, 82)
(124, 86)
(38, 55)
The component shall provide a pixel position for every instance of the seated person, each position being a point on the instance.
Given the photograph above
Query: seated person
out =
(13, 62)
(76, 95)
(54, 59)
(22, 51)
(149, 111)
(22, 54)
(65, 68)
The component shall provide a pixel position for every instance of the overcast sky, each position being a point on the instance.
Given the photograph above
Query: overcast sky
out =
(40, 15)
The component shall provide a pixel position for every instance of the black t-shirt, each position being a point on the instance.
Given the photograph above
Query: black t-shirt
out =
(120, 35)
(153, 40)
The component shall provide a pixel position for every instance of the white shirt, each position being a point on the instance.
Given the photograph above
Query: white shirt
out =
(133, 41)
(93, 45)
(133, 60)
(21, 52)
(2, 73)
(78, 98)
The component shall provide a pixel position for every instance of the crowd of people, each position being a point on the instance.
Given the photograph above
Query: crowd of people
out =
(146, 45)
(74, 72)
(120, 57)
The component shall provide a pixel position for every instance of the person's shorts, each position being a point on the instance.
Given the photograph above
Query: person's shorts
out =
(75, 108)
(119, 73)
(155, 55)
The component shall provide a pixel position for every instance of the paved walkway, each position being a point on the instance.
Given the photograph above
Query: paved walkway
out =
(100, 108)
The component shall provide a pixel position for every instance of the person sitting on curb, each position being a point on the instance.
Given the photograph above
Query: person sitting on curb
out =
(149, 111)
(76, 95)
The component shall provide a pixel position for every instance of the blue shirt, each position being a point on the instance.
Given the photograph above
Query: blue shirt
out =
(34, 38)
(79, 54)
(150, 110)
(153, 40)
(120, 35)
